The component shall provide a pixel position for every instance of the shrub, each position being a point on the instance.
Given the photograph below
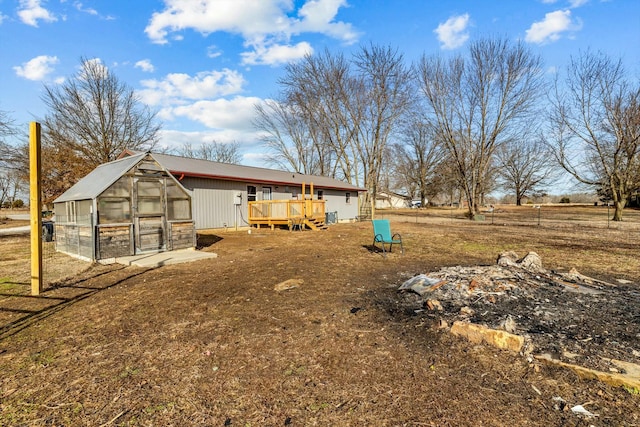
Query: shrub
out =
(565, 200)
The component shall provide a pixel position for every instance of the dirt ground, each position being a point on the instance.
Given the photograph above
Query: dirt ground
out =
(212, 342)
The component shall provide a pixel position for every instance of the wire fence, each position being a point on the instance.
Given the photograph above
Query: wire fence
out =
(547, 216)
(59, 242)
(15, 258)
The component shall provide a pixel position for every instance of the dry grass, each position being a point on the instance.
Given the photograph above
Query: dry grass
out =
(212, 343)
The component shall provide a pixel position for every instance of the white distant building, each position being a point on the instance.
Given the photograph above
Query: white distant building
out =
(391, 200)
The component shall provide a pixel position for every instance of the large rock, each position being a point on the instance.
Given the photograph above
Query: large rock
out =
(288, 284)
(532, 262)
(508, 259)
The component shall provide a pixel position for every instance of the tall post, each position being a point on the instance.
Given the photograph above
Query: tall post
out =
(35, 206)
(311, 190)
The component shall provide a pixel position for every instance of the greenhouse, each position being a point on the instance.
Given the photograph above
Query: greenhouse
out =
(126, 207)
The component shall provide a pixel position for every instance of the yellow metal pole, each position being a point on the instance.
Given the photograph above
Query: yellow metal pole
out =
(35, 204)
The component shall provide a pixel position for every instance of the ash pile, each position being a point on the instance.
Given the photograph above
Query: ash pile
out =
(570, 316)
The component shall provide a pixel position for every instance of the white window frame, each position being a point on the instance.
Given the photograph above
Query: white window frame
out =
(267, 193)
(70, 208)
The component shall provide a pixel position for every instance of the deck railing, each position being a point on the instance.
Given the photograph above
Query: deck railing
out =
(281, 212)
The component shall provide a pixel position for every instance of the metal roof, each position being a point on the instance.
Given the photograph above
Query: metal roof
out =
(225, 171)
(99, 179)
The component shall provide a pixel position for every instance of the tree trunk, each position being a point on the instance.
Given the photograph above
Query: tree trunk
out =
(617, 214)
(518, 196)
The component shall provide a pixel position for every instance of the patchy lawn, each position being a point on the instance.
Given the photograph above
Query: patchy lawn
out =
(212, 342)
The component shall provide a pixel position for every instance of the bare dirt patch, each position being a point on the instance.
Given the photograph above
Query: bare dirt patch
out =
(212, 342)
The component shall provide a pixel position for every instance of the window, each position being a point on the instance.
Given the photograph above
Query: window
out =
(347, 197)
(178, 203)
(71, 211)
(320, 194)
(266, 193)
(114, 205)
(149, 197)
(251, 193)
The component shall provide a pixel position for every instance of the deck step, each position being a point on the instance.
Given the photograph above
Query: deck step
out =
(315, 224)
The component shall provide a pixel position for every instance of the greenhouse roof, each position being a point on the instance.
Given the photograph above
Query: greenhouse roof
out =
(98, 180)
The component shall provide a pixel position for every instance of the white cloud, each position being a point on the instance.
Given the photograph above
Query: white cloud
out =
(236, 113)
(247, 140)
(37, 68)
(453, 33)
(145, 65)
(171, 138)
(276, 54)
(2, 17)
(178, 88)
(317, 16)
(577, 3)
(551, 28)
(96, 66)
(31, 11)
(213, 51)
(256, 159)
(266, 25)
(81, 8)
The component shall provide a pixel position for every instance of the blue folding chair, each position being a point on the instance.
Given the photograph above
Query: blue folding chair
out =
(382, 235)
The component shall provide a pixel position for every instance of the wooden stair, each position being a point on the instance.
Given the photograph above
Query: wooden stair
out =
(315, 224)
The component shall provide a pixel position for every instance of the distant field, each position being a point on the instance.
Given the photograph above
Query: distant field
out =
(558, 215)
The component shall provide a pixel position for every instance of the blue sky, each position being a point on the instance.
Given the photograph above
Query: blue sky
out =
(204, 64)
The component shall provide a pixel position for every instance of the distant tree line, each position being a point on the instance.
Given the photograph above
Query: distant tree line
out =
(464, 125)
(461, 126)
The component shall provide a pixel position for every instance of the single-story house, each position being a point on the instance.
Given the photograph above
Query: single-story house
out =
(149, 202)
(391, 200)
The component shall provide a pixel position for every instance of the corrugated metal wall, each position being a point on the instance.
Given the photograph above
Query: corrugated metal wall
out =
(212, 201)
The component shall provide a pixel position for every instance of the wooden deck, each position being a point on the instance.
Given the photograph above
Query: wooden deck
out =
(291, 213)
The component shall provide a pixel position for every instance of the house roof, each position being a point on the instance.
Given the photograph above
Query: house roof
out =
(99, 179)
(386, 194)
(225, 171)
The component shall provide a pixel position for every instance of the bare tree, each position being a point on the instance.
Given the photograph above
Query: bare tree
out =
(214, 151)
(9, 155)
(477, 103)
(595, 126)
(288, 139)
(524, 167)
(337, 115)
(385, 95)
(10, 184)
(417, 158)
(320, 90)
(97, 116)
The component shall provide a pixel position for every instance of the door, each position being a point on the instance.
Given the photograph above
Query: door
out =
(150, 224)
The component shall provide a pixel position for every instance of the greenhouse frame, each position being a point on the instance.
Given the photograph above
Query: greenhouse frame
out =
(126, 207)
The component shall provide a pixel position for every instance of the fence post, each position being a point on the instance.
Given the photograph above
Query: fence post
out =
(35, 206)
